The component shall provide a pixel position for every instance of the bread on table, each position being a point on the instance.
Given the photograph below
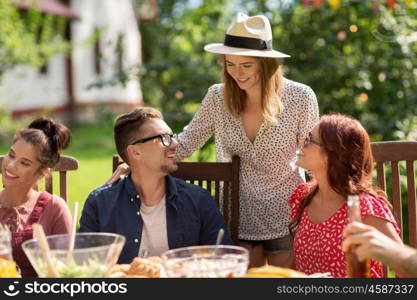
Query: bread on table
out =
(150, 267)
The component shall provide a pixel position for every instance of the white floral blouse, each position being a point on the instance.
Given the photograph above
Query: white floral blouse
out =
(266, 176)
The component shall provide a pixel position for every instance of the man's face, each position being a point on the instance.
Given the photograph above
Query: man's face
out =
(153, 155)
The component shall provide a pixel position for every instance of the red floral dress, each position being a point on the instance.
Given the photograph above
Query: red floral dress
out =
(317, 247)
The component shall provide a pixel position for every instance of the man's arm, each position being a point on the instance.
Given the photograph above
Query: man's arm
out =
(89, 221)
(211, 222)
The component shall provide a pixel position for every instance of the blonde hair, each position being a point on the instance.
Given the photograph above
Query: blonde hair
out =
(271, 87)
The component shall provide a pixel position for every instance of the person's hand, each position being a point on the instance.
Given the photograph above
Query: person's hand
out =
(121, 171)
(372, 244)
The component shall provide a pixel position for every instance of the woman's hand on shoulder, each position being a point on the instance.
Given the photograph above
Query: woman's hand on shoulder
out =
(121, 171)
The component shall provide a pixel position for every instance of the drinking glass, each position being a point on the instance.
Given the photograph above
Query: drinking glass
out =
(5, 244)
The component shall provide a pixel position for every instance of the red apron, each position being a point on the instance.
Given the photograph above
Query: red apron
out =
(19, 237)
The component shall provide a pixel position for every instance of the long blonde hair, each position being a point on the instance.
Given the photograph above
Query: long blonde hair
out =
(271, 87)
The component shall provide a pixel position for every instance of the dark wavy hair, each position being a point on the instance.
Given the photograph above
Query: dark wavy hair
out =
(349, 160)
(48, 136)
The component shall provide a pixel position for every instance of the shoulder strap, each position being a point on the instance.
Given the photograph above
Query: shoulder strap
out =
(40, 205)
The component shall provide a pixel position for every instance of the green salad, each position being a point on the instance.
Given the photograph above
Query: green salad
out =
(92, 267)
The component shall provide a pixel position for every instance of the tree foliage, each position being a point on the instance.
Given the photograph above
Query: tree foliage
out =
(28, 37)
(177, 72)
(360, 59)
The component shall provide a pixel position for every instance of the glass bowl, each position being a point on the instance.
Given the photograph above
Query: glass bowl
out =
(206, 261)
(93, 255)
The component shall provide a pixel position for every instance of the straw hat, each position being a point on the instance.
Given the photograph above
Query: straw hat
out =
(247, 36)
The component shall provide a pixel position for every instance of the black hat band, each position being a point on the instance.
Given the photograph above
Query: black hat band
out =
(247, 42)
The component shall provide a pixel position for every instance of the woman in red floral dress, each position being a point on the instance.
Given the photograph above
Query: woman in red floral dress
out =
(337, 153)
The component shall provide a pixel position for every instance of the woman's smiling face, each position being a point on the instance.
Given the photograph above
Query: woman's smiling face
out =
(245, 70)
(20, 165)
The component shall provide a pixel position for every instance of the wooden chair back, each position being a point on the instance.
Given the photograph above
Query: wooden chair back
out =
(65, 163)
(391, 154)
(220, 179)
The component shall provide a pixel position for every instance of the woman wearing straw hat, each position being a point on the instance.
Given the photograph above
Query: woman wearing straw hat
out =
(262, 117)
(34, 151)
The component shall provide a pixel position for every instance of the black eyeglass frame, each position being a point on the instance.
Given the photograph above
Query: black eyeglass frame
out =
(309, 140)
(166, 139)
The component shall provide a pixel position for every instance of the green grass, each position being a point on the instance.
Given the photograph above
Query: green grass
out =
(93, 147)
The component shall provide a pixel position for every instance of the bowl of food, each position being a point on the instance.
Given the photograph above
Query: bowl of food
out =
(206, 261)
(268, 271)
(93, 254)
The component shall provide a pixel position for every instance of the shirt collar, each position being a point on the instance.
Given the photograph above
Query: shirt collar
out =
(171, 192)
(130, 187)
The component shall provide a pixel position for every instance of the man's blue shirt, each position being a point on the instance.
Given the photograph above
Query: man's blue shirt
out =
(193, 217)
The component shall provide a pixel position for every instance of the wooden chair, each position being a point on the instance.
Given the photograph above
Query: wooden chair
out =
(66, 163)
(220, 179)
(395, 152)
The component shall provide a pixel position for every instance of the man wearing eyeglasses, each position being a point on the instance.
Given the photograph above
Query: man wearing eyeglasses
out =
(153, 210)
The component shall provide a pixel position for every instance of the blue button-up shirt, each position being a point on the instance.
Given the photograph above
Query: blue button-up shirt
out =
(193, 217)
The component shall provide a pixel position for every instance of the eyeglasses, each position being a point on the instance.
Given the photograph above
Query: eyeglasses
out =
(309, 140)
(166, 139)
